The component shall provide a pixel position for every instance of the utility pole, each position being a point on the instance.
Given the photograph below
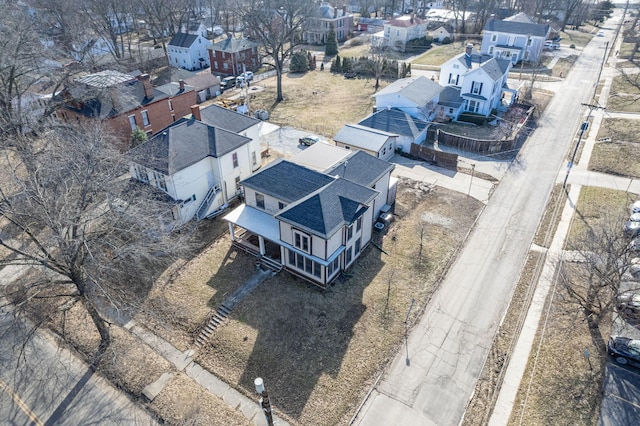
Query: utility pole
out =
(604, 59)
(583, 127)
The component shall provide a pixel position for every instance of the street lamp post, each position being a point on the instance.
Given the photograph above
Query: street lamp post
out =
(265, 404)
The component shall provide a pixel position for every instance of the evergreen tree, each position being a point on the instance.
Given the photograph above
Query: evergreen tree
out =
(336, 66)
(331, 46)
(299, 62)
(138, 136)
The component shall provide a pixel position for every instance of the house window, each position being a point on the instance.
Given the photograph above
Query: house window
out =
(476, 87)
(348, 256)
(259, 201)
(308, 265)
(237, 183)
(215, 64)
(359, 223)
(281, 205)
(453, 79)
(299, 261)
(170, 105)
(292, 257)
(357, 245)
(491, 50)
(301, 241)
(141, 173)
(145, 118)
(349, 232)
(132, 122)
(494, 37)
(317, 269)
(473, 106)
(529, 42)
(234, 156)
(254, 158)
(162, 184)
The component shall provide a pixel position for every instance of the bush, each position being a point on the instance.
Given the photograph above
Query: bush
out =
(446, 40)
(472, 117)
(299, 62)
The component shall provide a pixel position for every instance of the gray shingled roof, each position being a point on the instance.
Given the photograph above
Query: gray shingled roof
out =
(495, 68)
(361, 168)
(395, 121)
(227, 119)
(287, 181)
(450, 97)
(233, 45)
(185, 143)
(330, 208)
(183, 40)
(419, 90)
(516, 27)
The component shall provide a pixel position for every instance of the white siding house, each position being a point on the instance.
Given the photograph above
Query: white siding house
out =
(399, 31)
(417, 96)
(197, 165)
(479, 80)
(377, 143)
(189, 51)
(517, 38)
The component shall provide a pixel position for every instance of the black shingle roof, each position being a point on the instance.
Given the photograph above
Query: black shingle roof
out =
(287, 181)
(185, 143)
(183, 40)
(361, 168)
(226, 119)
(514, 27)
(330, 208)
(395, 121)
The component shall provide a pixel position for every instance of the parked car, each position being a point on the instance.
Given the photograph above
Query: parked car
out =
(228, 83)
(350, 75)
(600, 33)
(624, 350)
(309, 140)
(635, 207)
(631, 228)
(635, 217)
(383, 221)
(628, 303)
(551, 45)
(247, 75)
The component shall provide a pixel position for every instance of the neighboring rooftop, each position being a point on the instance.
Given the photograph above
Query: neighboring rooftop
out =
(231, 44)
(227, 119)
(321, 156)
(518, 25)
(104, 79)
(183, 39)
(393, 120)
(419, 90)
(363, 137)
(361, 168)
(185, 143)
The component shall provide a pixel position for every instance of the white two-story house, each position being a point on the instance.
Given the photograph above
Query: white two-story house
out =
(311, 223)
(189, 51)
(197, 165)
(478, 81)
(516, 38)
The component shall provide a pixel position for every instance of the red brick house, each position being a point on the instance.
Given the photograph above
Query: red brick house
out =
(125, 102)
(234, 55)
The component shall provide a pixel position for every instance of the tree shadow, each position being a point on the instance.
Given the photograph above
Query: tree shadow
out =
(303, 333)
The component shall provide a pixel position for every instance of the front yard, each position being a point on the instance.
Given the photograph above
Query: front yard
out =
(318, 351)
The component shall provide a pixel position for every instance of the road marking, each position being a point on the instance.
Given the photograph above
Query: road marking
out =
(25, 409)
(625, 400)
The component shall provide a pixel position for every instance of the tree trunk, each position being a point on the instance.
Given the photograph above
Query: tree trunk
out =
(103, 329)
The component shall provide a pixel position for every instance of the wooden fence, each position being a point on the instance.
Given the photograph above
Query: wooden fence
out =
(442, 159)
(481, 146)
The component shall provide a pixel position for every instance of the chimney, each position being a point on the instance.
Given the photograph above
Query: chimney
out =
(146, 84)
(492, 17)
(181, 83)
(195, 112)
(344, 10)
(469, 49)
(335, 13)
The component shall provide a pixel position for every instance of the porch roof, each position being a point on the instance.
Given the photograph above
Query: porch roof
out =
(255, 221)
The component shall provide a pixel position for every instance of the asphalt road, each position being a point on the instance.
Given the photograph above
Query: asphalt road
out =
(49, 386)
(431, 380)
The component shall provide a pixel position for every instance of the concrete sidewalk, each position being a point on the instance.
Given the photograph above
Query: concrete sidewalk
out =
(578, 176)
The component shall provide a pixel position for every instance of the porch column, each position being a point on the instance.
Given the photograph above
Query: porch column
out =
(231, 229)
(261, 242)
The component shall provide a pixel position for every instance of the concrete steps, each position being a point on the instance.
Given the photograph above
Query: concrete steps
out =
(216, 320)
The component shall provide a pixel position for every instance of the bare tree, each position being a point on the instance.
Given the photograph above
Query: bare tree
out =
(605, 257)
(378, 64)
(88, 236)
(278, 27)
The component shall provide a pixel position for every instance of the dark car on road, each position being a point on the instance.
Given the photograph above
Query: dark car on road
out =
(308, 140)
(624, 350)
